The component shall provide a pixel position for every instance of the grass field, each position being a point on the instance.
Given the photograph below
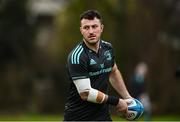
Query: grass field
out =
(37, 117)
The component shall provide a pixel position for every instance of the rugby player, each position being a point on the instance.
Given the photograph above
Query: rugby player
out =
(91, 65)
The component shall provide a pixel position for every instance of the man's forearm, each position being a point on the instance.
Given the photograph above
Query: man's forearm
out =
(117, 82)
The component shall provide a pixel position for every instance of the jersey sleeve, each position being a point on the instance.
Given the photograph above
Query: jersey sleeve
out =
(78, 66)
(113, 56)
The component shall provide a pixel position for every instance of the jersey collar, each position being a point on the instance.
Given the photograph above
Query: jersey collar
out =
(92, 51)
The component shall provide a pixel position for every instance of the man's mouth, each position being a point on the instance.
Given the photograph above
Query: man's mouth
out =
(92, 36)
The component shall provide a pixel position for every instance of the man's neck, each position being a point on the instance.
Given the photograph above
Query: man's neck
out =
(94, 47)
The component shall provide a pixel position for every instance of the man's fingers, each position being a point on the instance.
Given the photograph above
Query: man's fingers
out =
(129, 101)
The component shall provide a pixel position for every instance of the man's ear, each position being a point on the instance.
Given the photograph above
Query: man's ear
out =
(80, 28)
(102, 27)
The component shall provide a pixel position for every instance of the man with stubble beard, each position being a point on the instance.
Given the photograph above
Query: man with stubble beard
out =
(91, 65)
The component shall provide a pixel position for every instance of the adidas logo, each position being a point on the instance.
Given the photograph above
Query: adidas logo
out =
(92, 61)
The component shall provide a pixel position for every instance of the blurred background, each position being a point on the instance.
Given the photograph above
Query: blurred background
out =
(37, 35)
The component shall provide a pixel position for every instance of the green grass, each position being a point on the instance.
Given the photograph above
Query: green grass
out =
(31, 117)
(154, 118)
(58, 117)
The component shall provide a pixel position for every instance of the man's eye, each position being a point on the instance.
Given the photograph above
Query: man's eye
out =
(86, 27)
(94, 26)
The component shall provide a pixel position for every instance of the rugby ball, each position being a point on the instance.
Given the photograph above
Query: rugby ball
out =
(135, 109)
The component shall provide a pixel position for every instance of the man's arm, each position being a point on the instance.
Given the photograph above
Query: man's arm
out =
(117, 82)
(90, 94)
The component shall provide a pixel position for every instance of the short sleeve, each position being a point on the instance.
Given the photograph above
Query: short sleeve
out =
(78, 66)
(113, 56)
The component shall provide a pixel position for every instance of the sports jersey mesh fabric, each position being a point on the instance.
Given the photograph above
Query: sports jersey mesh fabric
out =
(85, 63)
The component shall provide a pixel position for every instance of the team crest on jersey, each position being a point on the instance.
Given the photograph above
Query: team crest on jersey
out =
(108, 55)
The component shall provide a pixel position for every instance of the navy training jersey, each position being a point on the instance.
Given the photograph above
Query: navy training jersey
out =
(85, 63)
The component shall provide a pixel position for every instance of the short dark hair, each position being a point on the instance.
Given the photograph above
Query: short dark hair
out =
(90, 15)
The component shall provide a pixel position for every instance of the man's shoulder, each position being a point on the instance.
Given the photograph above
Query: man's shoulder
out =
(77, 53)
(106, 44)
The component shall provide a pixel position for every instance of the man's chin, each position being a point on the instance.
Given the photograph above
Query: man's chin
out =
(93, 42)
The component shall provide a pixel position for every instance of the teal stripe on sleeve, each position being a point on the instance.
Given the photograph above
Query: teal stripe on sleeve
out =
(79, 55)
(75, 55)
(72, 55)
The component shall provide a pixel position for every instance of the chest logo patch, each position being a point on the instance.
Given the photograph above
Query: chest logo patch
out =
(102, 66)
(108, 55)
(92, 62)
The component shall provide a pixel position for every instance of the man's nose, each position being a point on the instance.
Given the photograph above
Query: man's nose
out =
(91, 30)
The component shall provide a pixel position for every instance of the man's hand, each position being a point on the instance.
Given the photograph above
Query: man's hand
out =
(122, 106)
